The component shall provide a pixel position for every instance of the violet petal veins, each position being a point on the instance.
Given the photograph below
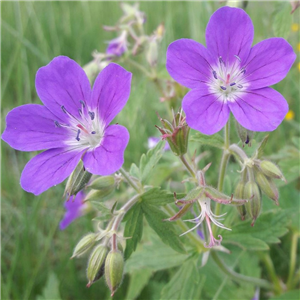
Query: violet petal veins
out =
(230, 76)
(72, 124)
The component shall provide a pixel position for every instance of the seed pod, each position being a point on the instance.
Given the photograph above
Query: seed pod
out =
(96, 264)
(95, 195)
(77, 180)
(84, 245)
(271, 170)
(253, 206)
(114, 265)
(239, 193)
(152, 53)
(267, 186)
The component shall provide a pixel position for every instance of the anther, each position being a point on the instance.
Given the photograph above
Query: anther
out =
(243, 71)
(92, 115)
(63, 109)
(223, 88)
(232, 84)
(93, 132)
(77, 137)
(239, 86)
(82, 103)
(215, 74)
(57, 124)
(220, 59)
(237, 57)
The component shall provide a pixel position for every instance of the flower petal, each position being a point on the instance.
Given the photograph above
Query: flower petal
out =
(259, 110)
(269, 62)
(48, 169)
(62, 83)
(204, 111)
(188, 62)
(110, 92)
(229, 32)
(31, 127)
(109, 156)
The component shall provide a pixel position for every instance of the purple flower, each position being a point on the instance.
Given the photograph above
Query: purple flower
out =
(229, 75)
(117, 46)
(153, 141)
(73, 124)
(75, 208)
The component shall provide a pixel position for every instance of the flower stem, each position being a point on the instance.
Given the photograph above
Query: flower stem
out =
(272, 273)
(239, 277)
(129, 180)
(188, 166)
(293, 259)
(140, 67)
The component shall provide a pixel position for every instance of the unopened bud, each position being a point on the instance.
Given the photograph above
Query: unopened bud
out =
(84, 245)
(271, 170)
(152, 53)
(114, 265)
(96, 195)
(77, 180)
(239, 193)
(96, 263)
(102, 182)
(91, 69)
(253, 206)
(267, 186)
(244, 134)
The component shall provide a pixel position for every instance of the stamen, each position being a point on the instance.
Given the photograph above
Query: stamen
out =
(93, 132)
(63, 109)
(57, 124)
(237, 57)
(243, 71)
(215, 74)
(77, 137)
(82, 103)
(80, 112)
(92, 115)
(221, 60)
(223, 88)
(232, 84)
(82, 128)
(239, 86)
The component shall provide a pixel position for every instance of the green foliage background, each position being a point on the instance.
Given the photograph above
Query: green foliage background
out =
(35, 253)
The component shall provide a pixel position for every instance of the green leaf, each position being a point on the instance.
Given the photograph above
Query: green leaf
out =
(268, 228)
(215, 140)
(282, 19)
(134, 171)
(105, 212)
(133, 229)
(165, 230)
(51, 290)
(290, 295)
(185, 284)
(157, 197)
(149, 160)
(156, 256)
(138, 280)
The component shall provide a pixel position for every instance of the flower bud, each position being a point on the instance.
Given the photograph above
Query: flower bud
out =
(271, 170)
(102, 182)
(152, 53)
(244, 134)
(84, 245)
(77, 180)
(253, 206)
(96, 263)
(176, 133)
(114, 265)
(267, 186)
(239, 193)
(96, 195)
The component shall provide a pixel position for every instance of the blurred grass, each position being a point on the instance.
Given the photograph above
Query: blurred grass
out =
(32, 34)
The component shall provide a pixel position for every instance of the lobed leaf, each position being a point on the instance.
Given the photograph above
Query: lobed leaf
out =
(215, 140)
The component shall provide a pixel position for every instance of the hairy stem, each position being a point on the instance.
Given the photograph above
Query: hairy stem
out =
(140, 67)
(293, 259)
(239, 277)
(188, 166)
(129, 180)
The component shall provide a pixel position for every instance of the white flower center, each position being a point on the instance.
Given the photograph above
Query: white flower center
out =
(86, 130)
(228, 80)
